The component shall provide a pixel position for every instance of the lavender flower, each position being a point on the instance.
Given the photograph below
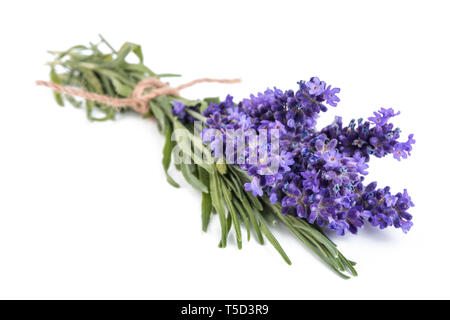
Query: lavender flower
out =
(330, 96)
(321, 172)
(403, 149)
(315, 86)
(254, 187)
(178, 109)
(383, 116)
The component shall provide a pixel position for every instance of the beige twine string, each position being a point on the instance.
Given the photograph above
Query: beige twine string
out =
(139, 100)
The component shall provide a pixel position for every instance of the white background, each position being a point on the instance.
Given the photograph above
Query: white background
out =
(85, 211)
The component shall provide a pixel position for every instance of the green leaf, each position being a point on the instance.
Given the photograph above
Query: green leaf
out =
(273, 240)
(72, 101)
(108, 113)
(168, 75)
(254, 201)
(322, 252)
(206, 210)
(93, 81)
(185, 139)
(209, 100)
(159, 116)
(229, 184)
(107, 87)
(243, 216)
(221, 166)
(270, 218)
(317, 235)
(54, 76)
(206, 199)
(252, 218)
(140, 68)
(167, 153)
(192, 180)
(56, 79)
(349, 264)
(120, 88)
(231, 210)
(237, 185)
(128, 47)
(216, 197)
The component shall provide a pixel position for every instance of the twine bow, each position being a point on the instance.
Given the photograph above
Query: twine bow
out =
(140, 98)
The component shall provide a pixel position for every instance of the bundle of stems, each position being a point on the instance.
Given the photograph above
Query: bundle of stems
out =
(221, 184)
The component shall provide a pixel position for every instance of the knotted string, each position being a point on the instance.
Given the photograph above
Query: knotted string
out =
(139, 100)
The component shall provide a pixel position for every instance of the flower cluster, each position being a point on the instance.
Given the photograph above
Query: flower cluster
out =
(180, 110)
(319, 174)
(374, 137)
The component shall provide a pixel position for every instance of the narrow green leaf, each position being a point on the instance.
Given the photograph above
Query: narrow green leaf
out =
(120, 88)
(313, 246)
(231, 210)
(206, 199)
(305, 226)
(108, 113)
(203, 175)
(73, 101)
(56, 79)
(229, 223)
(186, 140)
(107, 43)
(252, 218)
(128, 47)
(218, 205)
(140, 68)
(192, 180)
(242, 214)
(229, 183)
(167, 153)
(58, 98)
(94, 83)
(167, 75)
(159, 116)
(273, 240)
(238, 185)
(221, 166)
(209, 100)
(349, 264)
(107, 87)
(254, 201)
(206, 210)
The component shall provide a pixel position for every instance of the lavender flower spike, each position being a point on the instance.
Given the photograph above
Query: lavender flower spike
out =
(321, 172)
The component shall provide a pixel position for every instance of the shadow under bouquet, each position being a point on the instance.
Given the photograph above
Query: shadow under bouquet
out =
(257, 162)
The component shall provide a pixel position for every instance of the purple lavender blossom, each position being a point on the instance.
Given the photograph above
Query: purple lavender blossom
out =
(315, 86)
(333, 159)
(254, 187)
(403, 149)
(383, 116)
(178, 109)
(360, 163)
(321, 172)
(245, 122)
(277, 125)
(286, 160)
(330, 96)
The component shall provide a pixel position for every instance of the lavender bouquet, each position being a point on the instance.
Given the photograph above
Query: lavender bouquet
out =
(277, 166)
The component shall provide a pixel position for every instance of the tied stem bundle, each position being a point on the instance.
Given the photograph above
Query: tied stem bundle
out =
(237, 195)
